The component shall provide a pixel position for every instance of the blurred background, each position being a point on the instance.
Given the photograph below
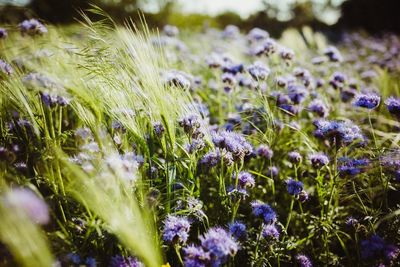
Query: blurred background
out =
(374, 16)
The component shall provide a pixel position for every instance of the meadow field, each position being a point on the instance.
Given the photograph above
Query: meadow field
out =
(129, 146)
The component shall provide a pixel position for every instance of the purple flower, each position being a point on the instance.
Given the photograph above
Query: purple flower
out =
(238, 230)
(170, 30)
(286, 54)
(220, 244)
(265, 151)
(245, 179)
(294, 157)
(393, 106)
(32, 27)
(351, 221)
(26, 200)
(369, 100)
(3, 33)
(372, 247)
(233, 68)
(190, 123)
(120, 261)
(347, 94)
(272, 171)
(341, 132)
(5, 68)
(74, 258)
(230, 31)
(318, 106)
(196, 257)
(294, 187)
(158, 128)
(90, 262)
(303, 260)
(176, 229)
(257, 34)
(297, 93)
(318, 160)
(349, 166)
(258, 71)
(333, 54)
(270, 232)
(303, 196)
(234, 143)
(337, 80)
(264, 211)
(178, 79)
(391, 252)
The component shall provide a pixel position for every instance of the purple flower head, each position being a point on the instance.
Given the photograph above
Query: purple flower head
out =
(211, 159)
(234, 143)
(281, 81)
(351, 221)
(265, 152)
(195, 146)
(32, 27)
(230, 31)
(286, 54)
(190, 123)
(303, 260)
(318, 160)
(264, 211)
(372, 247)
(120, 261)
(297, 93)
(228, 78)
(158, 128)
(318, 106)
(272, 171)
(368, 100)
(27, 201)
(196, 257)
(349, 166)
(393, 106)
(294, 157)
(176, 229)
(238, 230)
(171, 30)
(391, 252)
(270, 232)
(220, 244)
(333, 54)
(74, 258)
(337, 80)
(342, 132)
(257, 34)
(245, 179)
(347, 94)
(290, 109)
(258, 71)
(294, 187)
(3, 33)
(303, 196)
(232, 68)
(90, 262)
(5, 68)
(178, 79)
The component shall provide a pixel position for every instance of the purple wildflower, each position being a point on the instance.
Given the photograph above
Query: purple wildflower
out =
(297, 93)
(264, 211)
(393, 106)
(351, 221)
(272, 171)
(170, 30)
(303, 196)
(120, 261)
(391, 252)
(5, 68)
(372, 247)
(220, 244)
(349, 166)
(233, 143)
(294, 157)
(318, 160)
(286, 54)
(318, 106)
(245, 179)
(270, 232)
(176, 229)
(265, 151)
(32, 27)
(3, 33)
(294, 187)
(258, 71)
(257, 34)
(333, 54)
(303, 260)
(368, 100)
(196, 257)
(178, 79)
(238, 230)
